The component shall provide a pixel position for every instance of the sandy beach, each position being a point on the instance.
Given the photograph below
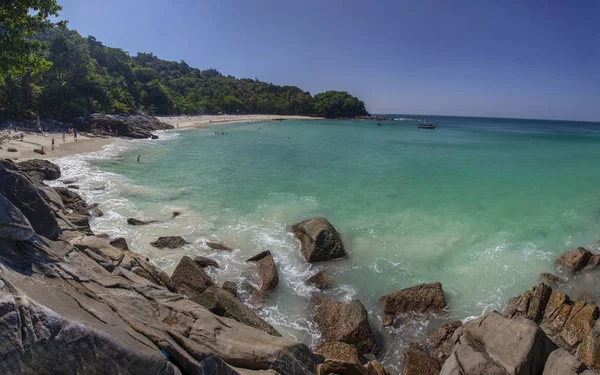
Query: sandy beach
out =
(205, 121)
(85, 144)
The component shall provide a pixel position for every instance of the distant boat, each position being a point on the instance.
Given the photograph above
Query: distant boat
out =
(426, 125)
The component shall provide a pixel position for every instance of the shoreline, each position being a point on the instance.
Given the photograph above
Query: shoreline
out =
(86, 143)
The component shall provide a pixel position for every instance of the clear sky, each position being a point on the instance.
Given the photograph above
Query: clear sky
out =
(510, 58)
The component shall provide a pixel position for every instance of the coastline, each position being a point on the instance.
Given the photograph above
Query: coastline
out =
(86, 143)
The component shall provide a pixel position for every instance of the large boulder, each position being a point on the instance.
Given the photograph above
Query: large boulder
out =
(561, 362)
(169, 242)
(206, 262)
(441, 340)
(268, 274)
(190, 279)
(494, 344)
(24, 195)
(223, 303)
(319, 280)
(574, 260)
(424, 298)
(13, 224)
(120, 243)
(338, 351)
(131, 126)
(345, 322)
(36, 168)
(319, 241)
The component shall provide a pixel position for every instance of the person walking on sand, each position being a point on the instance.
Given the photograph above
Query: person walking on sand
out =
(21, 137)
(52, 143)
(139, 158)
(64, 134)
(75, 135)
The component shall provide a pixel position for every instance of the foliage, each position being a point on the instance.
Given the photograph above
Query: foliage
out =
(86, 76)
(19, 19)
(338, 104)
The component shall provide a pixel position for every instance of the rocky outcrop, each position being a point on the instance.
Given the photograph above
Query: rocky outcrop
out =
(574, 260)
(218, 246)
(37, 168)
(345, 322)
(231, 287)
(24, 195)
(267, 272)
(561, 362)
(319, 280)
(190, 279)
(130, 126)
(169, 242)
(63, 311)
(424, 298)
(76, 203)
(418, 362)
(494, 344)
(205, 262)
(319, 241)
(223, 303)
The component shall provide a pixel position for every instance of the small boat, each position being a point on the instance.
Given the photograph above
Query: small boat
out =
(426, 125)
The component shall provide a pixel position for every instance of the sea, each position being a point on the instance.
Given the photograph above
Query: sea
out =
(482, 205)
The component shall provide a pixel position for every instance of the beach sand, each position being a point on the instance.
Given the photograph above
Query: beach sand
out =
(85, 144)
(205, 121)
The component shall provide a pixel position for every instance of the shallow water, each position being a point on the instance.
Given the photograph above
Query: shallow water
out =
(481, 205)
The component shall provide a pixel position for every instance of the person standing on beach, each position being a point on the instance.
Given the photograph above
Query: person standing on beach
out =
(52, 143)
(64, 136)
(21, 137)
(75, 135)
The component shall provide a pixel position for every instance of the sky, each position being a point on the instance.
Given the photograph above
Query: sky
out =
(510, 58)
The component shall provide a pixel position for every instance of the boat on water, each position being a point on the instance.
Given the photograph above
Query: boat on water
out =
(426, 125)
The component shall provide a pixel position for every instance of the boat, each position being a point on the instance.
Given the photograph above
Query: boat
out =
(426, 125)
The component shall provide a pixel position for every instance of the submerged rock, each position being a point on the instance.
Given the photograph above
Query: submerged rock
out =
(345, 322)
(441, 340)
(574, 260)
(205, 262)
(231, 287)
(418, 362)
(424, 298)
(169, 242)
(319, 241)
(218, 246)
(319, 280)
(133, 221)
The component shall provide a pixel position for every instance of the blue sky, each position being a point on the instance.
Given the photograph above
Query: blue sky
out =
(511, 58)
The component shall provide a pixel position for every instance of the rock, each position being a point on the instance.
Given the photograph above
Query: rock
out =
(120, 243)
(319, 241)
(589, 350)
(100, 187)
(319, 280)
(222, 303)
(169, 242)
(579, 323)
(494, 344)
(23, 194)
(560, 362)
(50, 170)
(14, 225)
(39, 151)
(441, 340)
(593, 263)
(345, 322)
(268, 274)
(131, 126)
(76, 187)
(574, 260)
(218, 246)
(190, 279)
(375, 368)
(417, 362)
(338, 351)
(340, 368)
(69, 181)
(75, 202)
(205, 262)
(531, 304)
(231, 287)
(424, 298)
(11, 149)
(132, 221)
(153, 136)
(68, 315)
(550, 278)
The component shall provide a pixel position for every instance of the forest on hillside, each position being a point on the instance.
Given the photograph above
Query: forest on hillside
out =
(84, 76)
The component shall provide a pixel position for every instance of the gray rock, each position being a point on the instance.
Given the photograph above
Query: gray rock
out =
(319, 241)
(133, 221)
(169, 242)
(120, 243)
(268, 274)
(424, 298)
(231, 287)
(206, 262)
(561, 362)
(218, 246)
(49, 170)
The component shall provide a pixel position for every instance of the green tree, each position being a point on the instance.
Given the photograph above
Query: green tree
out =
(19, 20)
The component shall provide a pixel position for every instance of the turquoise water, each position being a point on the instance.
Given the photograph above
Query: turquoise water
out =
(481, 205)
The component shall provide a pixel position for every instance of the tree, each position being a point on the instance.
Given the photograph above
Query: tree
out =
(19, 20)
(338, 104)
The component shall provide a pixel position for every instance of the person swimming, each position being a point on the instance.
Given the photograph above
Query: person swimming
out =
(138, 159)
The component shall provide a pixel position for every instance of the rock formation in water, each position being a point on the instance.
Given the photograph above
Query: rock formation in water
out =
(130, 126)
(319, 241)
